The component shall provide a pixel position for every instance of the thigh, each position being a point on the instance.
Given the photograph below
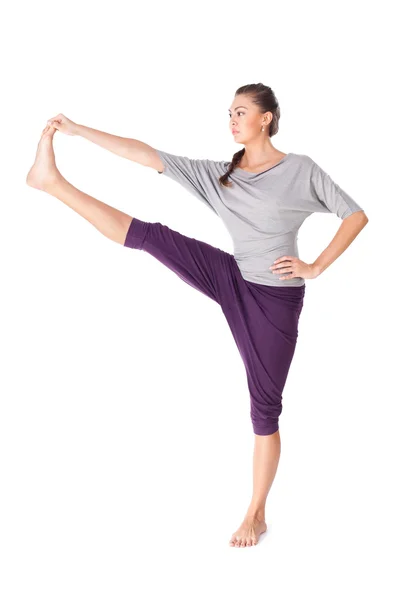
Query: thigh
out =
(264, 325)
(199, 264)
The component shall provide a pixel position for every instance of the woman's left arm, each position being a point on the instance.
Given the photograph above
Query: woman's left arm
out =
(325, 195)
(347, 232)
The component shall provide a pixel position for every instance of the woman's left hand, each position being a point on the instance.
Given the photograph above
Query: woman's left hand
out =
(294, 266)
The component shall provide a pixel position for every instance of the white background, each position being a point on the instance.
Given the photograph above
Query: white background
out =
(125, 436)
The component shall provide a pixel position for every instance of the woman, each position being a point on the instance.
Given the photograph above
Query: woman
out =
(262, 196)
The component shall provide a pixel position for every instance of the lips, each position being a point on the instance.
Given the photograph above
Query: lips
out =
(234, 131)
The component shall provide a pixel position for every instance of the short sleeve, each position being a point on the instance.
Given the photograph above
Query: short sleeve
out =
(328, 196)
(193, 174)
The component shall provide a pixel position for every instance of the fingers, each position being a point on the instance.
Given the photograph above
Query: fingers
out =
(56, 121)
(56, 118)
(47, 129)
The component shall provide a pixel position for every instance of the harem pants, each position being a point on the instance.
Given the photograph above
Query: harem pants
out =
(262, 318)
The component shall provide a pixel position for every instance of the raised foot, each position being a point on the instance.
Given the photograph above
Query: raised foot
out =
(248, 533)
(44, 172)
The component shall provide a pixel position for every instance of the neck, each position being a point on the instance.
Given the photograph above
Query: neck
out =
(260, 152)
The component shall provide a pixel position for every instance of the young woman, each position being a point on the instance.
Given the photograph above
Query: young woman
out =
(263, 196)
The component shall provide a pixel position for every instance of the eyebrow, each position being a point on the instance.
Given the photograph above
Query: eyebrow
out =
(229, 110)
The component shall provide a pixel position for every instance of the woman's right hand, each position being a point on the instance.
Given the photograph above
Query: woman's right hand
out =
(63, 124)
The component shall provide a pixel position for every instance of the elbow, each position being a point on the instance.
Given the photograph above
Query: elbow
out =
(359, 215)
(362, 219)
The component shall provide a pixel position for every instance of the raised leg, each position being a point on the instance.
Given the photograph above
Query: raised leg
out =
(44, 175)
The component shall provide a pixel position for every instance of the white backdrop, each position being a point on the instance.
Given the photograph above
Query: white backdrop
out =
(125, 436)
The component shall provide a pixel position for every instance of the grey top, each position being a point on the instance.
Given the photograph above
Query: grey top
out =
(262, 211)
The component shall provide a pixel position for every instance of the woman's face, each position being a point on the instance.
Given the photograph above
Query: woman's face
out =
(245, 119)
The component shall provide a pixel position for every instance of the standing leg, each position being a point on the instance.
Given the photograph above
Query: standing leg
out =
(45, 176)
(264, 324)
(267, 451)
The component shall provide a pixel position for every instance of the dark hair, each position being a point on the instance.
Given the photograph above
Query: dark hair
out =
(264, 97)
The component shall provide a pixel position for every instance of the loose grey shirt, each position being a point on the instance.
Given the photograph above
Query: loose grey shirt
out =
(262, 212)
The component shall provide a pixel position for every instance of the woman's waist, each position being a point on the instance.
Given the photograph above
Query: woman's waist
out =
(269, 249)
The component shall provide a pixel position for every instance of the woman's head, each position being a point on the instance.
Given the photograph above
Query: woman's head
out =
(254, 112)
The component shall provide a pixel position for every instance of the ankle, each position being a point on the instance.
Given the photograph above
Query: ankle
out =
(53, 183)
(256, 513)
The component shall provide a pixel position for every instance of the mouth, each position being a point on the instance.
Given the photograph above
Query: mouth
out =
(234, 132)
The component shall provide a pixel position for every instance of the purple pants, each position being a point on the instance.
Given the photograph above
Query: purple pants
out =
(263, 318)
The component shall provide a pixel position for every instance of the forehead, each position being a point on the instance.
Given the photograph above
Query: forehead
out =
(240, 106)
(240, 102)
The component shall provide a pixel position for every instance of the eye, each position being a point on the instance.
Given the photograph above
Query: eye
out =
(239, 113)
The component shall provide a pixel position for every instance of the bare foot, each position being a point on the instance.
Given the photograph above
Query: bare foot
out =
(248, 533)
(44, 172)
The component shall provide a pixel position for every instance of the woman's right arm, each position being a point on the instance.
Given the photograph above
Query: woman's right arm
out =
(193, 174)
(131, 149)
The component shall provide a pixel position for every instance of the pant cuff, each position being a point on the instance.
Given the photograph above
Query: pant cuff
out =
(266, 428)
(136, 234)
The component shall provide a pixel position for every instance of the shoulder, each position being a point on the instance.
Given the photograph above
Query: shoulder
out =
(302, 159)
(217, 167)
(304, 166)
